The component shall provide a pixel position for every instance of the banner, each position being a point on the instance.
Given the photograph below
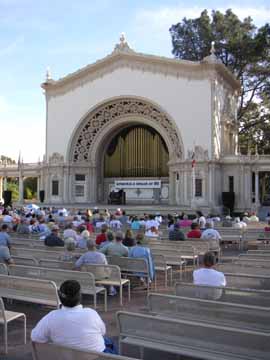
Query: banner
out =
(137, 184)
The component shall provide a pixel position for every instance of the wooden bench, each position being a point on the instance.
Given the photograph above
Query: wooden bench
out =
(53, 351)
(191, 338)
(239, 316)
(108, 275)
(35, 253)
(28, 289)
(227, 294)
(86, 280)
(25, 260)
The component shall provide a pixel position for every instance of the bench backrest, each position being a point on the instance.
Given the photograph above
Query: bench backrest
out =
(101, 272)
(56, 264)
(210, 311)
(86, 280)
(253, 262)
(192, 335)
(237, 296)
(255, 256)
(129, 265)
(25, 260)
(28, 289)
(36, 253)
(52, 351)
(244, 281)
(243, 269)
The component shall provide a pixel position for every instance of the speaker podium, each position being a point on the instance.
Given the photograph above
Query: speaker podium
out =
(228, 199)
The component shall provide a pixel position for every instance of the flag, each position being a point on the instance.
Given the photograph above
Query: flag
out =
(193, 160)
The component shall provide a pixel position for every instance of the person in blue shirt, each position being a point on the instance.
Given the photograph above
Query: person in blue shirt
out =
(4, 237)
(140, 251)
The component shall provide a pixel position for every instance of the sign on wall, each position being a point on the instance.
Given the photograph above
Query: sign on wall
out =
(137, 184)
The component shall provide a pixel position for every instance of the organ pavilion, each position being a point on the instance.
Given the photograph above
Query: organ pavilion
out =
(163, 130)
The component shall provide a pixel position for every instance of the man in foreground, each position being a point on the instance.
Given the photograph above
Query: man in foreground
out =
(72, 325)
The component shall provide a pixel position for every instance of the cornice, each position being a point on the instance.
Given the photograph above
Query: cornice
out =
(145, 63)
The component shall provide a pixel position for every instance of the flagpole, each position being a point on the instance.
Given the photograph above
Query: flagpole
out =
(193, 177)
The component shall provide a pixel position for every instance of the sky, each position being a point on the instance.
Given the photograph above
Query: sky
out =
(67, 35)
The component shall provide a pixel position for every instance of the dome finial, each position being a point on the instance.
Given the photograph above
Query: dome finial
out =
(48, 74)
(213, 49)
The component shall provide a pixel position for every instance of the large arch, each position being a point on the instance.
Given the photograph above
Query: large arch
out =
(105, 117)
(102, 123)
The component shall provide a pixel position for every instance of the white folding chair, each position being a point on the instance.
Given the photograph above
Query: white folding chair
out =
(8, 316)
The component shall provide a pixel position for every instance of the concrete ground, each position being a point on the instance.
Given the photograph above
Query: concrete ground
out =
(34, 312)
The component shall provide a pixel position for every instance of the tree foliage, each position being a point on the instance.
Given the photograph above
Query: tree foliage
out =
(245, 50)
(30, 188)
(7, 160)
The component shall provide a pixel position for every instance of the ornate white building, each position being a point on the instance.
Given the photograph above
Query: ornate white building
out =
(137, 122)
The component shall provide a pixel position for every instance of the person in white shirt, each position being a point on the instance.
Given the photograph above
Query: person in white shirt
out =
(201, 220)
(72, 325)
(151, 223)
(207, 275)
(115, 224)
(253, 218)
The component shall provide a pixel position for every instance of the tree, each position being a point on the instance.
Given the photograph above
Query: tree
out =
(30, 188)
(13, 186)
(7, 160)
(245, 50)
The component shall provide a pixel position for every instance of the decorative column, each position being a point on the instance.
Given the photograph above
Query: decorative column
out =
(20, 189)
(257, 201)
(38, 188)
(1, 188)
(5, 183)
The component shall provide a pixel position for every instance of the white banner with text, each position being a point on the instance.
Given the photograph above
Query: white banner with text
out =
(137, 184)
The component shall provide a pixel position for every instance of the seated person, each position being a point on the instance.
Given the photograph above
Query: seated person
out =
(253, 218)
(103, 235)
(207, 275)
(53, 239)
(116, 247)
(110, 238)
(70, 246)
(72, 325)
(195, 232)
(140, 251)
(5, 256)
(152, 232)
(115, 224)
(129, 240)
(212, 235)
(176, 234)
(92, 256)
(82, 239)
(70, 232)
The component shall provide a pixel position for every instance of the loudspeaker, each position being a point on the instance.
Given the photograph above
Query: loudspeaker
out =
(42, 195)
(7, 195)
(228, 199)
